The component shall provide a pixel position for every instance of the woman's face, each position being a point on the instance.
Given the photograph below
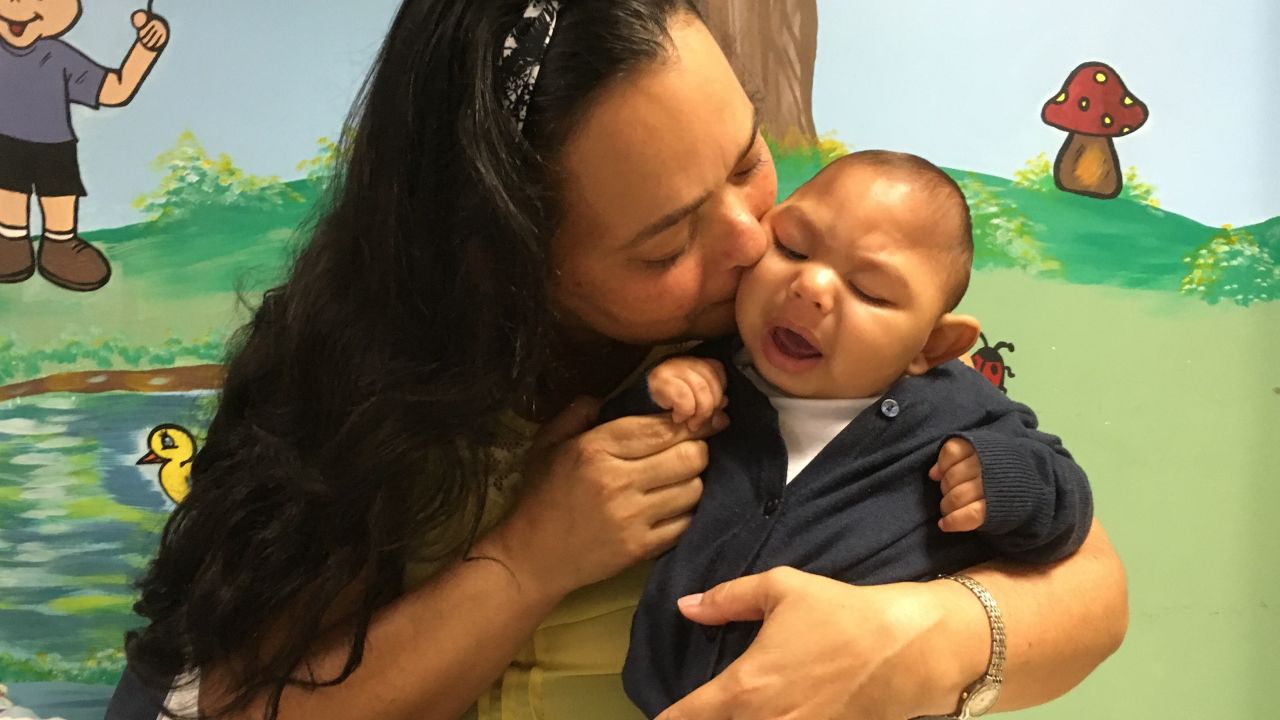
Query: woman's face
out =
(666, 180)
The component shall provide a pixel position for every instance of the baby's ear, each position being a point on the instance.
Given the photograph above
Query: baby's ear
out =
(951, 337)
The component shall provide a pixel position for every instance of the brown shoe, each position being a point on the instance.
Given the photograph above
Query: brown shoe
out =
(73, 264)
(17, 259)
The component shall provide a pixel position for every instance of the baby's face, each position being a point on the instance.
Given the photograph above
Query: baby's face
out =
(23, 22)
(850, 289)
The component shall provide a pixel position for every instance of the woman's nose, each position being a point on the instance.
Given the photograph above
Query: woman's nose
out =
(815, 285)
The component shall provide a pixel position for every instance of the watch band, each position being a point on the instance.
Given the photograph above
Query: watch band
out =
(981, 695)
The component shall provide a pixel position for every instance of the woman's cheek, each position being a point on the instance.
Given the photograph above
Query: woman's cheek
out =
(764, 192)
(681, 288)
(649, 298)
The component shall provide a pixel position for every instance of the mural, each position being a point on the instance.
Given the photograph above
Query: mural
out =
(989, 361)
(1141, 296)
(173, 448)
(41, 76)
(1093, 108)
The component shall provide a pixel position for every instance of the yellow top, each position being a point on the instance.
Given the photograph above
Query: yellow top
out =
(572, 666)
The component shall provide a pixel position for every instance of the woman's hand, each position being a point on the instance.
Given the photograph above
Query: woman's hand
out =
(908, 649)
(597, 502)
(826, 650)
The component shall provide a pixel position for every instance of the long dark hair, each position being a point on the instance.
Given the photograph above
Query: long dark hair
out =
(356, 399)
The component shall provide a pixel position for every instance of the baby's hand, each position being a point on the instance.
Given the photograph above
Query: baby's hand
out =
(691, 388)
(958, 469)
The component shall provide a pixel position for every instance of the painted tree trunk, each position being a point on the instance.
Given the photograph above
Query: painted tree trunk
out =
(773, 45)
(181, 379)
(1088, 165)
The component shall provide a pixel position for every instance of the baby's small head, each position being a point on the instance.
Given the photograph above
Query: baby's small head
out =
(868, 261)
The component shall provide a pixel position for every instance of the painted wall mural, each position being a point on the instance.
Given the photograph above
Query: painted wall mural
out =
(1093, 108)
(1135, 271)
(42, 74)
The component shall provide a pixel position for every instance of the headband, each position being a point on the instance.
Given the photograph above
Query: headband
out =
(522, 55)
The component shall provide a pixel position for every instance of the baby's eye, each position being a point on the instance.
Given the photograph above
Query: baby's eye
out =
(787, 252)
(867, 297)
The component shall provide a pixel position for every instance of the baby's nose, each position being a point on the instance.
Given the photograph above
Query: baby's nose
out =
(816, 285)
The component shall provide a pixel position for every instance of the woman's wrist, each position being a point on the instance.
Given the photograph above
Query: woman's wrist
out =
(506, 546)
(959, 644)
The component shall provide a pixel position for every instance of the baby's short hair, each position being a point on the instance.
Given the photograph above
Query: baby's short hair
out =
(950, 200)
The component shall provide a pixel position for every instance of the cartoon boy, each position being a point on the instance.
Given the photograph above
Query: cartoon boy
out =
(40, 76)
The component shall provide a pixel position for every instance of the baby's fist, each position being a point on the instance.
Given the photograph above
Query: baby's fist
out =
(959, 472)
(691, 388)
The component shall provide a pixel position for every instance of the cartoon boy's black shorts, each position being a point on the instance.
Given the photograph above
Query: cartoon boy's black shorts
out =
(53, 169)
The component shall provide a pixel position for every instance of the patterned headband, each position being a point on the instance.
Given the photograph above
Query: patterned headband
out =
(522, 55)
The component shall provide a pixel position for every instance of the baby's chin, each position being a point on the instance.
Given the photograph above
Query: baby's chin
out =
(789, 383)
(816, 384)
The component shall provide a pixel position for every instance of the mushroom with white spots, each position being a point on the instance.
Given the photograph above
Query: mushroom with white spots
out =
(1093, 107)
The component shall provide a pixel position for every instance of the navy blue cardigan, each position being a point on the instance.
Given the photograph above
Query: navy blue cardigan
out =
(863, 511)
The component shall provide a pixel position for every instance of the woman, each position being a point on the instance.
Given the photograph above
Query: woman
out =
(509, 234)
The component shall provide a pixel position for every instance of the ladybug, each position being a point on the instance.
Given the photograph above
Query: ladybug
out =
(989, 362)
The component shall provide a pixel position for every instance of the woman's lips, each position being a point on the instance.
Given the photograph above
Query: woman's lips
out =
(790, 350)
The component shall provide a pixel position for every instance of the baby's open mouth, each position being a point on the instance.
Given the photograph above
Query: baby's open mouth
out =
(793, 344)
(19, 27)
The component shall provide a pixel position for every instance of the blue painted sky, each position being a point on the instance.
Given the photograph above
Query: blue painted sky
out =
(261, 81)
(960, 83)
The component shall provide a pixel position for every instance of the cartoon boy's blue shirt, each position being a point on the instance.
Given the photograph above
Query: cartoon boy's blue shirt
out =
(38, 85)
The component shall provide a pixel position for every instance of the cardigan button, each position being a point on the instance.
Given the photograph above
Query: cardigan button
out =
(890, 408)
(771, 506)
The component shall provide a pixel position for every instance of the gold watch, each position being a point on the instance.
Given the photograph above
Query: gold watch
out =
(980, 697)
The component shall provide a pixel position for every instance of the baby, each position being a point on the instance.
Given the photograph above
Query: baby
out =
(859, 448)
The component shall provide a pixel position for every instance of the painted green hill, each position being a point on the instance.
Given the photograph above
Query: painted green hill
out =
(221, 235)
(1118, 242)
(213, 250)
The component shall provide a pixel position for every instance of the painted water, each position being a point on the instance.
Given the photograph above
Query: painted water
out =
(79, 520)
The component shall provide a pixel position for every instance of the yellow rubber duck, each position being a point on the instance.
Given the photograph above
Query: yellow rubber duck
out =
(173, 448)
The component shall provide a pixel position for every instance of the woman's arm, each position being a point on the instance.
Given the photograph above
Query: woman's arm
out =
(430, 654)
(593, 504)
(1062, 620)
(908, 649)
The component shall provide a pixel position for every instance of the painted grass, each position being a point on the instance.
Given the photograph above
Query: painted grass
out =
(101, 668)
(1172, 407)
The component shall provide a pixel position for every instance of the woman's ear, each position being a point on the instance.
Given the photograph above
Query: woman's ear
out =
(951, 337)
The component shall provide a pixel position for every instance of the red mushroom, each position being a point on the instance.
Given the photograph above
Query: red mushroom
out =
(1093, 107)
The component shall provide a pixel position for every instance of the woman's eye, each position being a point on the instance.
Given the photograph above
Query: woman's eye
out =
(691, 234)
(668, 261)
(788, 252)
(750, 170)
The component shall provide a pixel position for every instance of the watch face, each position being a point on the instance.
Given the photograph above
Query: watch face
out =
(982, 699)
